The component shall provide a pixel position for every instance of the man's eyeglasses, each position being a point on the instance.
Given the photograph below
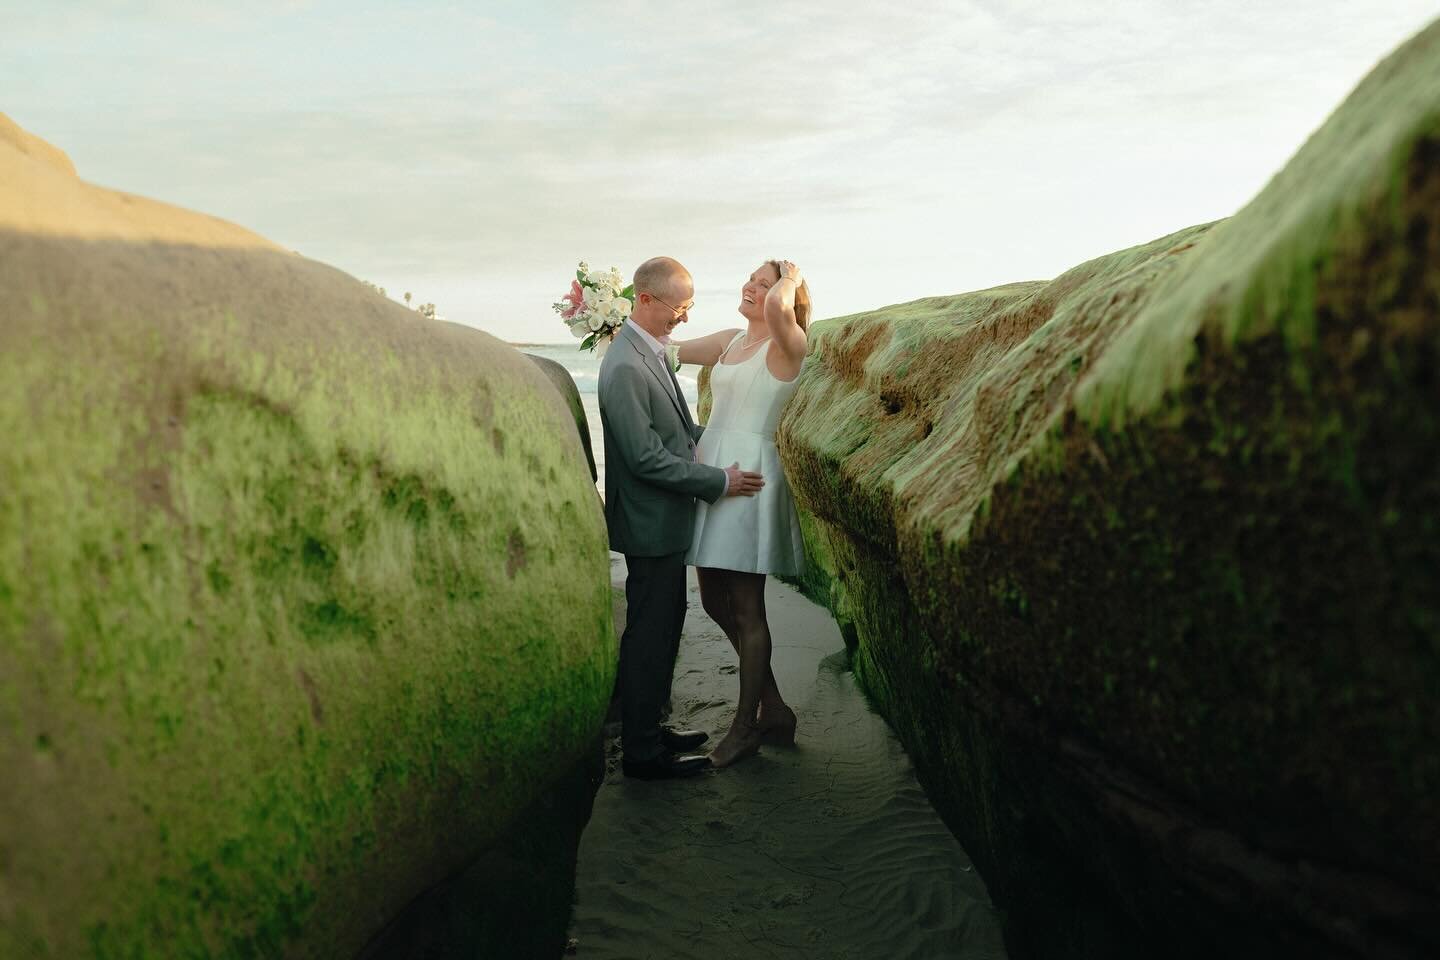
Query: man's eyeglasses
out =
(678, 311)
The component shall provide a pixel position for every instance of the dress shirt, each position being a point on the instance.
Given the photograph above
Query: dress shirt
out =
(655, 346)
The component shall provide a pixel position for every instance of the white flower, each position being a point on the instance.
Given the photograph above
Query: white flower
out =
(609, 280)
(602, 311)
(672, 353)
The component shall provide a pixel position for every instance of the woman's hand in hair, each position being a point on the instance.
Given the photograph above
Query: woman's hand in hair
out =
(788, 271)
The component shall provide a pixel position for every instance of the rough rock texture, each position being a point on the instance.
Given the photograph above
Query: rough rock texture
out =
(1144, 562)
(574, 406)
(518, 898)
(302, 598)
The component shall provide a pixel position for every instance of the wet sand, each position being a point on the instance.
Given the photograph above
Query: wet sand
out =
(829, 849)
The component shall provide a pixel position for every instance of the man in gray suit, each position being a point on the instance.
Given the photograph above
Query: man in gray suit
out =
(651, 482)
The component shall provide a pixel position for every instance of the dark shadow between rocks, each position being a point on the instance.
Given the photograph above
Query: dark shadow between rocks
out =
(516, 899)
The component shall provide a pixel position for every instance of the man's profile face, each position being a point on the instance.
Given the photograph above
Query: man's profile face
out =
(667, 309)
(683, 288)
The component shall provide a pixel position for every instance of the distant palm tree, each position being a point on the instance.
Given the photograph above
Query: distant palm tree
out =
(426, 310)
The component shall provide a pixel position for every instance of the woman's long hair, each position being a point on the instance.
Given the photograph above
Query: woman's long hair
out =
(802, 300)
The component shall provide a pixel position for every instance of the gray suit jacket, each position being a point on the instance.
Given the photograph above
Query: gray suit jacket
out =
(651, 479)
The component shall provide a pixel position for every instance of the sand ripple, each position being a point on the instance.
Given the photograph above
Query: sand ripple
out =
(827, 850)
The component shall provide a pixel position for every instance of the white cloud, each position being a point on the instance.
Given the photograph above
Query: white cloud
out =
(922, 149)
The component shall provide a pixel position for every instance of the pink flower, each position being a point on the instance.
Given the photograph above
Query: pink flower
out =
(576, 296)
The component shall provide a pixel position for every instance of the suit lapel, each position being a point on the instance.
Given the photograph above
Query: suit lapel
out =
(684, 407)
(652, 363)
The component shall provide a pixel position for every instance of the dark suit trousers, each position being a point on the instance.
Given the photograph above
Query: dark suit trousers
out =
(654, 617)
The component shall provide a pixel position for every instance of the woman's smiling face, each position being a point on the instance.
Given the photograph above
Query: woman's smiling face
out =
(752, 294)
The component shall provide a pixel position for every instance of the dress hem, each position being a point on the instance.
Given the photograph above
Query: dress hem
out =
(771, 573)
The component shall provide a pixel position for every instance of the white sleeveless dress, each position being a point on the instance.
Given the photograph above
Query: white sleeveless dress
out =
(759, 534)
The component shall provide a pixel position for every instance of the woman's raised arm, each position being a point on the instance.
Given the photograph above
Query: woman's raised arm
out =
(705, 350)
(780, 318)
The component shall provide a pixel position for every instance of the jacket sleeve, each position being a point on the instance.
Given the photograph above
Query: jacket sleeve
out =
(625, 397)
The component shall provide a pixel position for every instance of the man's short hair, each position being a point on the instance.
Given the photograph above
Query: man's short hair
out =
(657, 276)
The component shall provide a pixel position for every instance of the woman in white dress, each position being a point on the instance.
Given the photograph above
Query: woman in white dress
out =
(739, 540)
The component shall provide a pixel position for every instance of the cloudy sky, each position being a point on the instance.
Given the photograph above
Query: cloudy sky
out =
(472, 152)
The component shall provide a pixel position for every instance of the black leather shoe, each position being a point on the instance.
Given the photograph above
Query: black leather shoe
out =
(667, 766)
(679, 741)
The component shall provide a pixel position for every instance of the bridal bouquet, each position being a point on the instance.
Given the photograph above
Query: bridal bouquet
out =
(596, 306)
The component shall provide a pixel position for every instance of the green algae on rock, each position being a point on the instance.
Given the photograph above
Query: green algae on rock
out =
(1143, 561)
(574, 407)
(302, 598)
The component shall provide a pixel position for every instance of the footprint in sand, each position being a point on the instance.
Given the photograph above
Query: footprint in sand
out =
(687, 710)
(793, 897)
(782, 856)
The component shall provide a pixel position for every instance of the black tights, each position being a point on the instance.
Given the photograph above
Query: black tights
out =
(736, 601)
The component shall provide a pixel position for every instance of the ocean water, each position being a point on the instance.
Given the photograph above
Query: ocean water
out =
(584, 369)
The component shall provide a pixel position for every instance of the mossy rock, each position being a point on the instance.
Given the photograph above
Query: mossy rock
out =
(1144, 561)
(564, 384)
(303, 598)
